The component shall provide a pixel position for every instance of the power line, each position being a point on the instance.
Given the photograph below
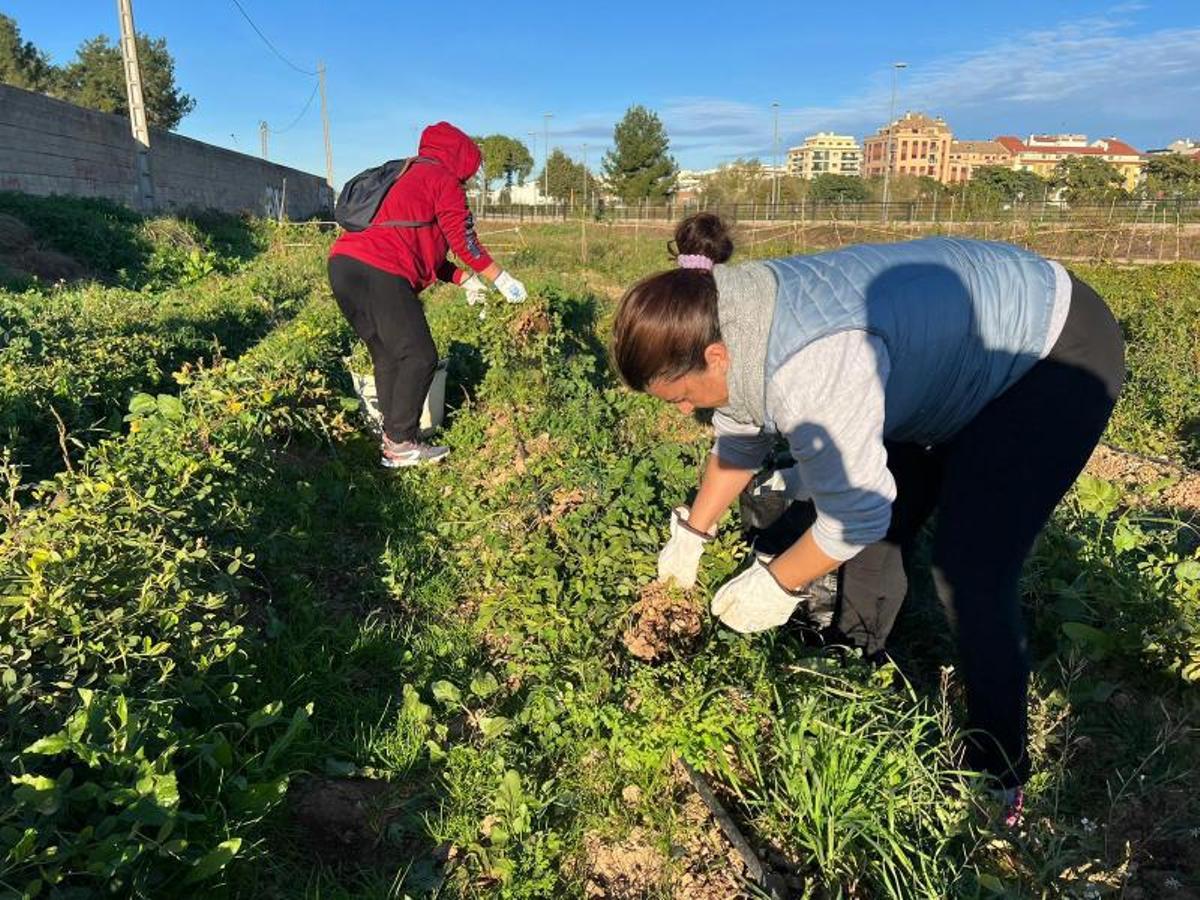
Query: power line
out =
(296, 121)
(267, 41)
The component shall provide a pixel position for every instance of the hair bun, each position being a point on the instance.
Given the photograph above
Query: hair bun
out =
(704, 234)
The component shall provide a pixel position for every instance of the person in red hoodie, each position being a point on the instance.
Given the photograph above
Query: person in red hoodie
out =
(377, 274)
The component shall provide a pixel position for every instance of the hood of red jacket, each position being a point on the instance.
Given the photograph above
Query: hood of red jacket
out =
(452, 148)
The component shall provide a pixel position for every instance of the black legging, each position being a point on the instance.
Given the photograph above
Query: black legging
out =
(994, 486)
(385, 312)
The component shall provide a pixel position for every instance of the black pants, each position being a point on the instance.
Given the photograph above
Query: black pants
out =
(994, 486)
(386, 314)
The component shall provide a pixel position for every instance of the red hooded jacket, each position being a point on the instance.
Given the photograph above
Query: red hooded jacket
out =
(426, 192)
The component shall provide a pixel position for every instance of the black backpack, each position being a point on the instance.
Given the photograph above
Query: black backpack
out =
(360, 197)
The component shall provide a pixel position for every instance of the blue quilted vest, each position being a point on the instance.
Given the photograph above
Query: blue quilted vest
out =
(962, 321)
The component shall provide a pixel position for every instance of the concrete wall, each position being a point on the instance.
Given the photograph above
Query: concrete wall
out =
(51, 147)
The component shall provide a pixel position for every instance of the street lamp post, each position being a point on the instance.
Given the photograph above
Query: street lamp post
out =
(775, 163)
(887, 154)
(546, 117)
(533, 149)
(585, 177)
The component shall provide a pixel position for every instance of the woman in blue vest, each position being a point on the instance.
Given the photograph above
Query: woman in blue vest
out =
(966, 377)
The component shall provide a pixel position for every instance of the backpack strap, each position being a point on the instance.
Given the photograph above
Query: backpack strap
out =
(400, 223)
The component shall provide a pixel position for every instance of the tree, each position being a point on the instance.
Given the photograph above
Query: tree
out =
(565, 177)
(748, 181)
(839, 188)
(1087, 179)
(96, 79)
(504, 157)
(639, 166)
(737, 182)
(1003, 183)
(1173, 175)
(21, 63)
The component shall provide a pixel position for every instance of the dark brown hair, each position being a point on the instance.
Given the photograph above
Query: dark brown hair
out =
(665, 321)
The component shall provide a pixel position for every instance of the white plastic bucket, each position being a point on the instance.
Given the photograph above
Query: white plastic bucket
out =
(432, 414)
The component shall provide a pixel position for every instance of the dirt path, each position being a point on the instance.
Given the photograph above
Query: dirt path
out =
(1132, 470)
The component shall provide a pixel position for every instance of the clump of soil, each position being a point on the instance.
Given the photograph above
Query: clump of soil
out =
(1136, 471)
(342, 819)
(663, 620)
(531, 321)
(627, 870)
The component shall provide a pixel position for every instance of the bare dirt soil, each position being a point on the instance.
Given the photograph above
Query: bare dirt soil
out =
(663, 621)
(1183, 491)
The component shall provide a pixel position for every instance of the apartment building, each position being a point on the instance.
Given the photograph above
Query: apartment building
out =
(1042, 153)
(825, 153)
(920, 145)
(967, 156)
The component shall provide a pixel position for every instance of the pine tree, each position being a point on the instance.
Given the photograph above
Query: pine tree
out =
(639, 166)
(21, 63)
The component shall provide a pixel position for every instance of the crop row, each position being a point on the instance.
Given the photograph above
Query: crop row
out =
(71, 358)
(126, 591)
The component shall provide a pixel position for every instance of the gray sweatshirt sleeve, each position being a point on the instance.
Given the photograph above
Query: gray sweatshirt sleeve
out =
(740, 445)
(828, 401)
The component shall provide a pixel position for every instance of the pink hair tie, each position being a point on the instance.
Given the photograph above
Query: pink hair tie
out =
(694, 261)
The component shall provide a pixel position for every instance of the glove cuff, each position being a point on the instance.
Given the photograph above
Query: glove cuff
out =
(683, 523)
(798, 592)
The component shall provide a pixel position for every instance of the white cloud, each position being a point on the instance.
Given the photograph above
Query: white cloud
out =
(1093, 71)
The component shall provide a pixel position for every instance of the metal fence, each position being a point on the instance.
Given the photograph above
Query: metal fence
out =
(933, 210)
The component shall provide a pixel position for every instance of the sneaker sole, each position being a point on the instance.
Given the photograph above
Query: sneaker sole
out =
(410, 463)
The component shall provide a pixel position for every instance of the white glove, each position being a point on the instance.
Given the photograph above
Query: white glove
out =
(680, 558)
(513, 290)
(754, 601)
(476, 290)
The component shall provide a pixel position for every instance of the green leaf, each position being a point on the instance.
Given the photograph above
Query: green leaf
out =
(299, 721)
(268, 715)
(990, 883)
(447, 693)
(50, 745)
(170, 406)
(258, 798)
(1188, 570)
(143, 405)
(1097, 496)
(492, 726)
(483, 686)
(1094, 640)
(214, 861)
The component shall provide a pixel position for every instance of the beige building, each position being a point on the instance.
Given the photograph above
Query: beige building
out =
(825, 153)
(967, 156)
(1042, 153)
(920, 146)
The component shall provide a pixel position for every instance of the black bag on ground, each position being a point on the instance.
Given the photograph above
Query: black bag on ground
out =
(360, 197)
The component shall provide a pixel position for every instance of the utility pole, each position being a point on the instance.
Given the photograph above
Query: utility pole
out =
(887, 154)
(263, 132)
(137, 106)
(325, 125)
(775, 162)
(546, 117)
(585, 176)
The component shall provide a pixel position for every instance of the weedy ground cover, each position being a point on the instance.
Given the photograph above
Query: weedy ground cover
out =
(72, 354)
(238, 657)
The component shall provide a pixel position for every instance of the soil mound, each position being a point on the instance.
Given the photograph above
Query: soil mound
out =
(663, 621)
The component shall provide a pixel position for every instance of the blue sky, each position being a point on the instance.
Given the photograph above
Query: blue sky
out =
(710, 70)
